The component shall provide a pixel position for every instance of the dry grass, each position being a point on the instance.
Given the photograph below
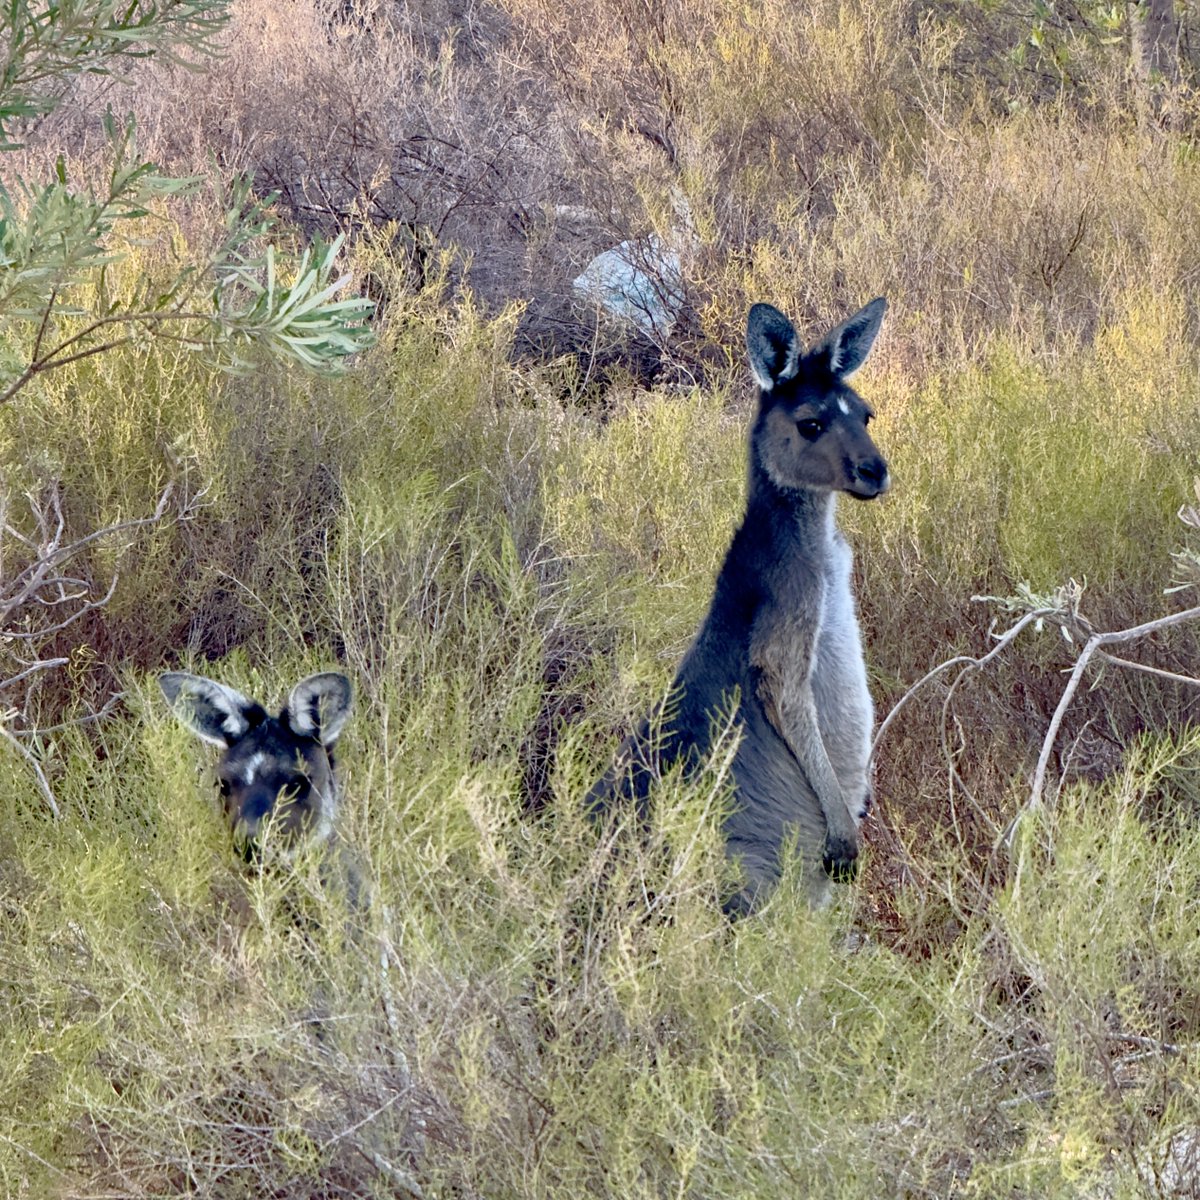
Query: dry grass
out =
(812, 156)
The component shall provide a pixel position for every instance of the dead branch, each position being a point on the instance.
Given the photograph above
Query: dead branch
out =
(40, 599)
(1094, 644)
(1158, 672)
(398, 1176)
(1063, 611)
(44, 664)
(35, 767)
(966, 661)
(49, 552)
(90, 719)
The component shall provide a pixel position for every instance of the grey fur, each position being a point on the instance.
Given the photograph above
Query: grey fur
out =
(781, 639)
(281, 766)
(212, 711)
(320, 705)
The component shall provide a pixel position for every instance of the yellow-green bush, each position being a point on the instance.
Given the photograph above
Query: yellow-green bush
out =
(525, 1007)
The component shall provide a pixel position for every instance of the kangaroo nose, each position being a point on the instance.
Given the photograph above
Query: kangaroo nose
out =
(874, 474)
(256, 805)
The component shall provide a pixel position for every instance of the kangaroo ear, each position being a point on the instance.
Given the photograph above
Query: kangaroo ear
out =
(320, 705)
(210, 710)
(773, 346)
(849, 344)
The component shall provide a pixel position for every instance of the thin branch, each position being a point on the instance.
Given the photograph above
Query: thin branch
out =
(62, 582)
(53, 553)
(20, 381)
(49, 364)
(1170, 1048)
(98, 715)
(35, 766)
(40, 595)
(1158, 672)
(149, 318)
(90, 606)
(44, 665)
(10, 531)
(37, 1158)
(1094, 644)
(52, 362)
(397, 1175)
(966, 661)
(378, 1111)
(59, 358)
(41, 333)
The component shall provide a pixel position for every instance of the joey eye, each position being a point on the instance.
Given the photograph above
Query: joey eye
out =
(810, 430)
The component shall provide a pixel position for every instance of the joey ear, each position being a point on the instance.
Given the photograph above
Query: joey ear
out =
(320, 705)
(849, 344)
(772, 344)
(212, 711)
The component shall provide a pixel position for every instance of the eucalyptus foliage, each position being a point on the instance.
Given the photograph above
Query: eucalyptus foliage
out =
(61, 241)
(46, 44)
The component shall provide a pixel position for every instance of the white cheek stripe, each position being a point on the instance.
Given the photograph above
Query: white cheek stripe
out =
(844, 407)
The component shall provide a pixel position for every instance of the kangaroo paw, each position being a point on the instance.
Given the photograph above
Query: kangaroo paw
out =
(840, 860)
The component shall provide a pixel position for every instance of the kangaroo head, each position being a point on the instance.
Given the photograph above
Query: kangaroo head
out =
(271, 765)
(811, 430)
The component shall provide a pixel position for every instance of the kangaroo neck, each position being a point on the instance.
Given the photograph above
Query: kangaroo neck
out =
(803, 512)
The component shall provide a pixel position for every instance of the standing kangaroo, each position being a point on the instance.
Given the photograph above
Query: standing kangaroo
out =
(781, 644)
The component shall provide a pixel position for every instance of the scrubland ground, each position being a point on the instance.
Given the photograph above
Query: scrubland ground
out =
(508, 560)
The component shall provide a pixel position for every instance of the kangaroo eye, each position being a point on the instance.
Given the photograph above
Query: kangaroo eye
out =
(810, 430)
(223, 786)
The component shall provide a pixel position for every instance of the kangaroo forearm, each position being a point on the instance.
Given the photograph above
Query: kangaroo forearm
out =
(804, 738)
(794, 718)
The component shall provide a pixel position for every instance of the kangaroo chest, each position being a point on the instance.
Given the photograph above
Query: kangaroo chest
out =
(786, 636)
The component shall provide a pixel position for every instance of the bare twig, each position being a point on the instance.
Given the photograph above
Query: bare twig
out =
(1158, 672)
(50, 553)
(396, 1175)
(966, 661)
(45, 664)
(58, 356)
(90, 719)
(1063, 612)
(36, 1158)
(35, 766)
(1094, 644)
(83, 610)
(1169, 1048)
(40, 599)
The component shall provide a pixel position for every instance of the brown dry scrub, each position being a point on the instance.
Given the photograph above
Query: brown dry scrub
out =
(811, 156)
